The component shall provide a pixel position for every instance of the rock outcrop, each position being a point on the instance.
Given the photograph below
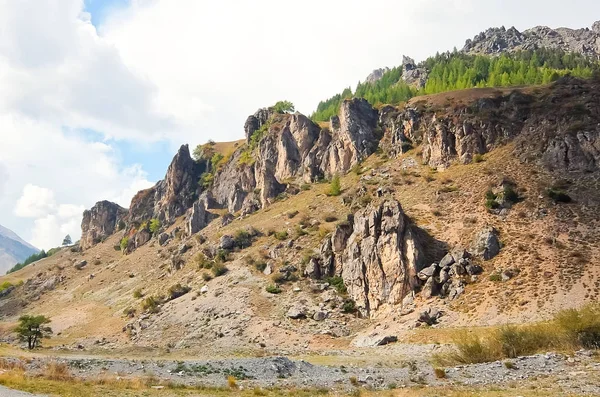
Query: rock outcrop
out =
(500, 40)
(172, 196)
(256, 121)
(376, 75)
(412, 74)
(294, 149)
(99, 222)
(560, 130)
(378, 255)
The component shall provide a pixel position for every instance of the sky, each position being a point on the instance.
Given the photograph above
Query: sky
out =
(98, 95)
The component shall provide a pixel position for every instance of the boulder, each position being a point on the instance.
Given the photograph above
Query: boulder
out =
(430, 316)
(428, 272)
(296, 312)
(80, 265)
(374, 339)
(486, 243)
(430, 288)
(163, 238)
(226, 242)
(142, 237)
(319, 315)
(447, 260)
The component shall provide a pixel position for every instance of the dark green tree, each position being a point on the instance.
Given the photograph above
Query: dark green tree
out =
(32, 329)
(67, 240)
(284, 107)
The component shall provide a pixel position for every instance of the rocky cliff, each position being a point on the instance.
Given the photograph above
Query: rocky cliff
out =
(172, 196)
(498, 40)
(378, 254)
(558, 127)
(294, 149)
(101, 221)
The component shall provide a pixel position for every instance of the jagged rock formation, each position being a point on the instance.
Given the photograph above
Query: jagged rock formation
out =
(257, 120)
(295, 148)
(378, 255)
(499, 40)
(99, 222)
(560, 128)
(198, 218)
(376, 75)
(412, 74)
(172, 196)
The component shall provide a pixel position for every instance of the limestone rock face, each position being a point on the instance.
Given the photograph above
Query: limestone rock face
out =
(354, 137)
(376, 75)
(197, 218)
(293, 149)
(501, 40)
(172, 196)
(377, 255)
(544, 128)
(100, 222)
(255, 121)
(412, 74)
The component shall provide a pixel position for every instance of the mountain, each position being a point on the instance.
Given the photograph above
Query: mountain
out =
(13, 249)
(471, 207)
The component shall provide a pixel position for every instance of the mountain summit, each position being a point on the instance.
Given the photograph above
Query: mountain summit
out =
(13, 249)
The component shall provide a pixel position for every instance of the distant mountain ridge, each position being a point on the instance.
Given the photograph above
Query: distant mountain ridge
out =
(13, 249)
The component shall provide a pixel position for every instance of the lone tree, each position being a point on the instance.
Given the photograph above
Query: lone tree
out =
(335, 189)
(284, 107)
(32, 329)
(67, 240)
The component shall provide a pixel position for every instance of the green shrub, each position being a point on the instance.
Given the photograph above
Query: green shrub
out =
(335, 188)
(510, 194)
(495, 277)
(292, 214)
(273, 289)
(206, 277)
(283, 235)
(305, 187)
(260, 266)
(206, 180)
(5, 285)
(137, 294)
(331, 218)
(349, 306)
(299, 231)
(124, 243)
(222, 256)
(582, 327)
(478, 158)
(150, 304)
(338, 283)
(154, 226)
(242, 239)
(558, 195)
(178, 290)
(219, 270)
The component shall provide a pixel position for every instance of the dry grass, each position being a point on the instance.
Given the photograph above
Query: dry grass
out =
(568, 330)
(57, 371)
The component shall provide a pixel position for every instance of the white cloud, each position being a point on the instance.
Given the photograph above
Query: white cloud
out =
(54, 67)
(55, 176)
(35, 201)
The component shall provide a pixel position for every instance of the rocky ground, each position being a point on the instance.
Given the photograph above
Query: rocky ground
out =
(578, 374)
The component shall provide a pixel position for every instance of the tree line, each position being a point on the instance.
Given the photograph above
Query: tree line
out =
(455, 70)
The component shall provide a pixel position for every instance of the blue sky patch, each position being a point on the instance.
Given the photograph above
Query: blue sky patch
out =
(100, 8)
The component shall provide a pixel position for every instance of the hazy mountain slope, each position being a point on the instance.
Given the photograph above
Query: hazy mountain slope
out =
(13, 249)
